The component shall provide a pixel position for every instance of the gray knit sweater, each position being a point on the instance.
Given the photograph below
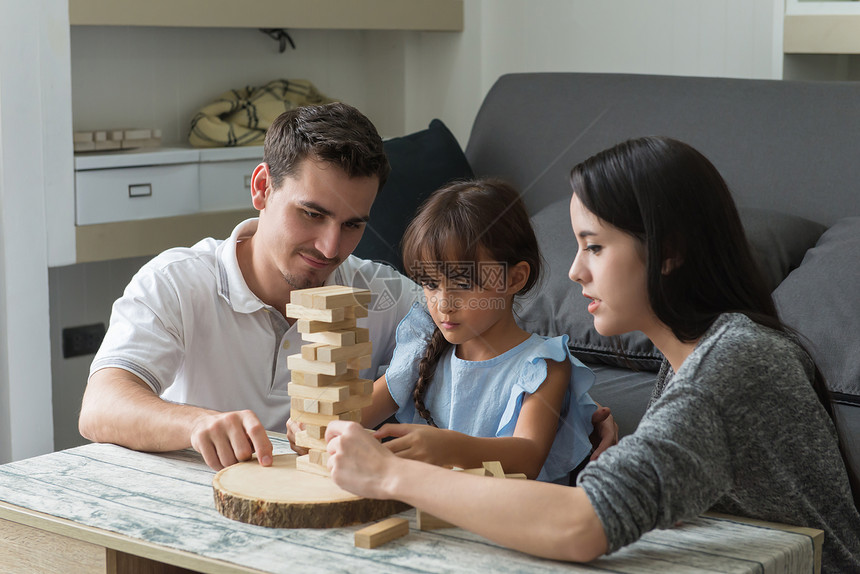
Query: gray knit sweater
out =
(738, 430)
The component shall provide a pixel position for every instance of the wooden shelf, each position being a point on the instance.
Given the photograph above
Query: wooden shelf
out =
(428, 15)
(120, 239)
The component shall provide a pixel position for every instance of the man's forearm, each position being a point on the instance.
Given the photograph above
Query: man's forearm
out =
(120, 408)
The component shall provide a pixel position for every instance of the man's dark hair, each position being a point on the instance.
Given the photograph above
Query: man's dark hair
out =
(335, 133)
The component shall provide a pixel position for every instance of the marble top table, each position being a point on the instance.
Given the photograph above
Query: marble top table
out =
(122, 506)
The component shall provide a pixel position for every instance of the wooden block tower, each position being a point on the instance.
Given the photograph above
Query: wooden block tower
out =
(325, 384)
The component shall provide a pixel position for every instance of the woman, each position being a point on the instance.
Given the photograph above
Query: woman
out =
(738, 420)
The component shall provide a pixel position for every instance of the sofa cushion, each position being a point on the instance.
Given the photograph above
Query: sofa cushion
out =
(778, 240)
(556, 305)
(820, 300)
(420, 163)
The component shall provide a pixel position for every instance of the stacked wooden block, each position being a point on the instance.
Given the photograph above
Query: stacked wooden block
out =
(325, 384)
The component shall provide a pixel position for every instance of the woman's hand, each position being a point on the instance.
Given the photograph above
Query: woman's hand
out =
(420, 442)
(605, 433)
(357, 461)
(294, 427)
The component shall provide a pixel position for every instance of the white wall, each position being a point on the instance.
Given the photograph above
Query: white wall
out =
(32, 130)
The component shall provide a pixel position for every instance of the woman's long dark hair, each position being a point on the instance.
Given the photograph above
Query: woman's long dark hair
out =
(670, 197)
(458, 223)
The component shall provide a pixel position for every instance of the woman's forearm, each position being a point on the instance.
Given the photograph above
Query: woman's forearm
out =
(538, 518)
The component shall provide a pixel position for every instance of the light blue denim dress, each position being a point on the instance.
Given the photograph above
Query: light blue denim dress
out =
(484, 398)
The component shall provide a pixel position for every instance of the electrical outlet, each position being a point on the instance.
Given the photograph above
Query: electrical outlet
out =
(82, 340)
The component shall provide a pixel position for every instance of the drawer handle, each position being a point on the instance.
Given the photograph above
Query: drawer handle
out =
(140, 190)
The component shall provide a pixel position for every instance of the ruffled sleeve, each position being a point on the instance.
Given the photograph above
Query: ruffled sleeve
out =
(571, 445)
(413, 335)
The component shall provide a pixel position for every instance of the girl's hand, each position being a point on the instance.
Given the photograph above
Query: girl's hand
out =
(419, 442)
(358, 462)
(605, 433)
(292, 428)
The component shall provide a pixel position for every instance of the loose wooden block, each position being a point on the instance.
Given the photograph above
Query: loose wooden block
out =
(309, 352)
(381, 532)
(305, 297)
(321, 380)
(495, 468)
(333, 354)
(359, 363)
(477, 471)
(297, 363)
(327, 315)
(332, 393)
(303, 463)
(427, 521)
(342, 338)
(306, 326)
(305, 440)
(323, 420)
(517, 475)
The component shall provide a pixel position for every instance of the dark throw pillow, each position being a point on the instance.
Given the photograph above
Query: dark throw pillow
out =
(778, 241)
(421, 163)
(820, 300)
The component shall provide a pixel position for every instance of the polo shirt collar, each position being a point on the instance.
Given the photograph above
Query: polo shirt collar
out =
(231, 283)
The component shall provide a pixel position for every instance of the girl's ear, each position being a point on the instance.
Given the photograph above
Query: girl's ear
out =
(260, 186)
(672, 259)
(518, 275)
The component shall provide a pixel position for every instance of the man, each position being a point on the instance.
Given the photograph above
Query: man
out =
(195, 354)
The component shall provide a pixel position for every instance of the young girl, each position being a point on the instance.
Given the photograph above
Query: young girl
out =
(469, 383)
(738, 421)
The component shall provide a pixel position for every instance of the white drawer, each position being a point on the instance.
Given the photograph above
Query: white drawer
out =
(226, 184)
(104, 195)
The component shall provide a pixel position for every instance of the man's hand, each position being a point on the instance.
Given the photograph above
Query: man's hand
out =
(227, 438)
(417, 442)
(605, 433)
(294, 427)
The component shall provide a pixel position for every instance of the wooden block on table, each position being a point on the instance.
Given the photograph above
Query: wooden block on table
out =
(323, 420)
(381, 532)
(306, 326)
(343, 338)
(517, 475)
(303, 463)
(332, 354)
(327, 315)
(322, 380)
(355, 312)
(494, 467)
(305, 440)
(298, 363)
(427, 521)
(363, 362)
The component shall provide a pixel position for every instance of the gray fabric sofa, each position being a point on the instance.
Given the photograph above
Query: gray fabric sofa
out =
(788, 150)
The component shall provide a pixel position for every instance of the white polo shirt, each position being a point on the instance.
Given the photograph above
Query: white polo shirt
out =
(189, 326)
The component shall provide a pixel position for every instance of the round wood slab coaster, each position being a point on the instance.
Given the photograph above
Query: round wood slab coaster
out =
(280, 496)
